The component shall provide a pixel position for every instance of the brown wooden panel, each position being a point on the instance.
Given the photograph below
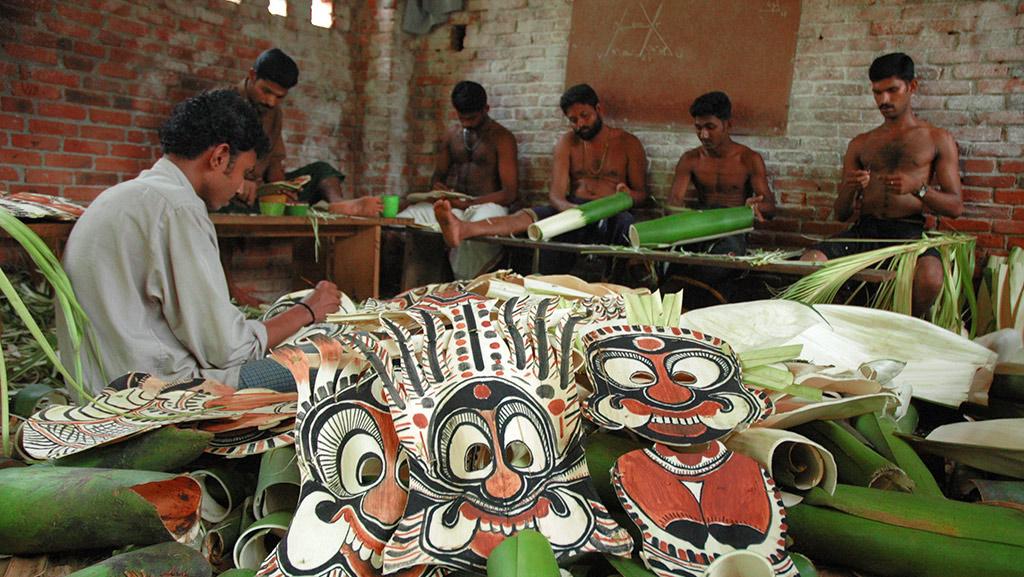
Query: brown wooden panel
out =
(648, 59)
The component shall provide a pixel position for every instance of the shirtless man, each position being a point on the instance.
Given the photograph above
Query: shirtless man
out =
(724, 173)
(895, 172)
(591, 161)
(478, 158)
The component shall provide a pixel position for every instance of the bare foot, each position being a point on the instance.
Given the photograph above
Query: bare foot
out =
(451, 226)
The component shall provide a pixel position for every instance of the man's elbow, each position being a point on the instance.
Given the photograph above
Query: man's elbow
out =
(955, 211)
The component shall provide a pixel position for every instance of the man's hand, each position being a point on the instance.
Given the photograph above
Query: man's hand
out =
(460, 203)
(857, 179)
(440, 186)
(754, 203)
(324, 300)
(247, 192)
(896, 184)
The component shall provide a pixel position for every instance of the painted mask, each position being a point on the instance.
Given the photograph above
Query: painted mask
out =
(354, 472)
(692, 508)
(490, 417)
(667, 384)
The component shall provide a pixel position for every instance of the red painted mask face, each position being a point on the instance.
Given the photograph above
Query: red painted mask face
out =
(490, 418)
(669, 385)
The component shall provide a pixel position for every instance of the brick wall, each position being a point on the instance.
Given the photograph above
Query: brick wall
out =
(83, 84)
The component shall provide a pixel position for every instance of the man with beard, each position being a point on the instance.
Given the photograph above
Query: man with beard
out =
(894, 173)
(477, 158)
(591, 161)
(265, 86)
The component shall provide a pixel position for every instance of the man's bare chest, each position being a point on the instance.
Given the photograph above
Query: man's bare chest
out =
(910, 151)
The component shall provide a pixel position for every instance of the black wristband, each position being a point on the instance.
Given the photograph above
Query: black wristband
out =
(311, 313)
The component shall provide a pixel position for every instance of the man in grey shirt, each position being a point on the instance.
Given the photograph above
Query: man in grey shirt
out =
(144, 263)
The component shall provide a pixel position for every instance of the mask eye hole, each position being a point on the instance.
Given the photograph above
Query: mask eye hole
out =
(478, 457)
(402, 473)
(518, 455)
(370, 470)
(683, 378)
(641, 377)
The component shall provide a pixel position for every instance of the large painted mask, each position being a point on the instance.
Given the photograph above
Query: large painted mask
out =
(354, 472)
(667, 384)
(489, 414)
(693, 507)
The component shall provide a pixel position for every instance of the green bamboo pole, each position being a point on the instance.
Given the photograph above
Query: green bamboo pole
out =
(163, 559)
(580, 216)
(164, 449)
(857, 464)
(525, 554)
(49, 509)
(832, 537)
(932, 514)
(692, 225)
(880, 432)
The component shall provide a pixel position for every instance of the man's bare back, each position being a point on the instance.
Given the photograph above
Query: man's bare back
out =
(899, 160)
(473, 158)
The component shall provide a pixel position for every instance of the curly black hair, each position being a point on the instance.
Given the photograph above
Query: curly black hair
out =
(211, 118)
(715, 104)
(579, 94)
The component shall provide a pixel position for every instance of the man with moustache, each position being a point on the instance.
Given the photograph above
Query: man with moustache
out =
(145, 265)
(265, 86)
(894, 173)
(478, 158)
(591, 161)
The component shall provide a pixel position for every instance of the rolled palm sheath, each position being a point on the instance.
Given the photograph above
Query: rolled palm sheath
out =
(169, 558)
(691, 225)
(580, 216)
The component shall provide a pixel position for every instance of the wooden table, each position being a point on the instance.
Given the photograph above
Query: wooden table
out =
(349, 246)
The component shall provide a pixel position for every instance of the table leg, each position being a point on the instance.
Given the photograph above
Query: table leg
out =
(355, 263)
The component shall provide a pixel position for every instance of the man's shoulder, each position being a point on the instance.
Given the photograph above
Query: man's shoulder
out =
(624, 136)
(749, 155)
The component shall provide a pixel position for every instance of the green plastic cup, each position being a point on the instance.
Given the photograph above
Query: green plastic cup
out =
(272, 208)
(390, 205)
(297, 210)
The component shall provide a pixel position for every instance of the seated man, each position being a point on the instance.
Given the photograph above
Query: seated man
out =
(888, 171)
(266, 85)
(724, 174)
(478, 158)
(591, 161)
(144, 263)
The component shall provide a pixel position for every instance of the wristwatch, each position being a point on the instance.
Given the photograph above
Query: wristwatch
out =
(922, 191)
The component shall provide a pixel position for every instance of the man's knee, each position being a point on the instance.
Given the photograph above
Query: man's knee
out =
(813, 254)
(928, 277)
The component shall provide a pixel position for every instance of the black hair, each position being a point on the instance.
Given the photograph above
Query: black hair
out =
(579, 94)
(896, 64)
(715, 104)
(469, 97)
(211, 118)
(276, 66)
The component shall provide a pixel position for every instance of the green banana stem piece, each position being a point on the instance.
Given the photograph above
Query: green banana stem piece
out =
(163, 559)
(880, 432)
(856, 463)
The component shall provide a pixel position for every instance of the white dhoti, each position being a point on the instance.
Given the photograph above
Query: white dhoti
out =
(470, 258)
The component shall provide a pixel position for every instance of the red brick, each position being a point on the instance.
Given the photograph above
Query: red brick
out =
(991, 241)
(94, 178)
(90, 49)
(978, 165)
(988, 211)
(20, 157)
(56, 77)
(35, 141)
(126, 26)
(1018, 213)
(72, 111)
(79, 63)
(89, 17)
(968, 225)
(119, 165)
(977, 194)
(21, 52)
(116, 70)
(1008, 227)
(106, 133)
(1014, 166)
(993, 181)
(85, 193)
(68, 160)
(149, 120)
(1013, 196)
(11, 122)
(84, 97)
(33, 175)
(35, 90)
(36, 188)
(110, 117)
(7, 173)
(66, 29)
(117, 40)
(20, 105)
(52, 127)
(131, 151)
(85, 146)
